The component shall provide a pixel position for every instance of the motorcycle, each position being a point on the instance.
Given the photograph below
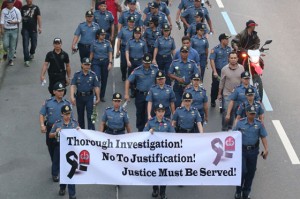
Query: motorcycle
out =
(253, 62)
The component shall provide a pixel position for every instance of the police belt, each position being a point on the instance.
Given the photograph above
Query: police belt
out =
(182, 130)
(142, 92)
(135, 59)
(83, 94)
(250, 147)
(115, 130)
(164, 56)
(102, 59)
(85, 45)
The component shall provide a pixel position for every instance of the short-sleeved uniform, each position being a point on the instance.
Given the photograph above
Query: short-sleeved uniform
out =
(159, 126)
(193, 31)
(241, 111)
(190, 12)
(200, 44)
(238, 95)
(136, 50)
(193, 55)
(199, 98)
(105, 20)
(161, 19)
(150, 36)
(186, 120)
(137, 16)
(115, 120)
(162, 8)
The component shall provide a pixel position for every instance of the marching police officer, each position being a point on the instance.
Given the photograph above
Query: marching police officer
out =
(152, 33)
(105, 20)
(199, 97)
(164, 49)
(87, 33)
(144, 76)
(181, 70)
(59, 66)
(86, 85)
(218, 59)
(162, 6)
(186, 118)
(124, 36)
(252, 129)
(49, 114)
(101, 56)
(115, 118)
(241, 112)
(161, 93)
(130, 13)
(67, 122)
(155, 12)
(159, 124)
(183, 5)
(200, 43)
(191, 31)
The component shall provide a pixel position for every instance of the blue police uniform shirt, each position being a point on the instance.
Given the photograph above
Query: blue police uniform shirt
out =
(52, 109)
(101, 49)
(136, 48)
(159, 126)
(193, 31)
(193, 55)
(183, 70)
(125, 35)
(184, 4)
(242, 109)
(199, 98)
(104, 19)
(162, 8)
(238, 95)
(161, 19)
(150, 36)
(220, 56)
(200, 44)
(250, 132)
(144, 78)
(85, 83)
(158, 95)
(87, 33)
(190, 12)
(165, 45)
(115, 119)
(186, 118)
(73, 124)
(137, 16)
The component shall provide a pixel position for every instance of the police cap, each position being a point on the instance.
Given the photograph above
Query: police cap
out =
(184, 49)
(196, 76)
(100, 31)
(200, 26)
(166, 27)
(160, 74)
(250, 109)
(224, 36)
(137, 30)
(131, 1)
(89, 13)
(159, 106)
(245, 75)
(153, 19)
(131, 19)
(86, 61)
(57, 40)
(65, 109)
(249, 91)
(147, 58)
(154, 5)
(187, 96)
(199, 14)
(117, 96)
(58, 86)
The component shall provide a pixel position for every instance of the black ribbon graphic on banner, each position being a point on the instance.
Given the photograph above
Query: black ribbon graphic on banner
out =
(218, 150)
(74, 163)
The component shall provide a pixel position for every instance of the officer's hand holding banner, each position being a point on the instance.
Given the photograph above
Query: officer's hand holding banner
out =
(91, 157)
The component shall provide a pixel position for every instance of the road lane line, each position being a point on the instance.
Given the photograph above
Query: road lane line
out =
(116, 65)
(266, 102)
(220, 4)
(229, 23)
(286, 142)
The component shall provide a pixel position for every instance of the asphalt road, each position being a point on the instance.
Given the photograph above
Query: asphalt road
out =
(24, 159)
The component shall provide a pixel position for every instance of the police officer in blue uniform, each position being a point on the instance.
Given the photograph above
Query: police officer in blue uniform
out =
(49, 114)
(238, 96)
(66, 122)
(159, 123)
(115, 119)
(162, 6)
(191, 31)
(130, 13)
(86, 85)
(101, 56)
(186, 118)
(164, 49)
(105, 20)
(218, 59)
(154, 11)
(187, 17)
(241, 112)
(87, 33)
(181, 70)
(152, 33)
(199, 97)
(161, 93)
(200, 43)
(144, 76)
(252, 129)
(183, 5)
(124, 36)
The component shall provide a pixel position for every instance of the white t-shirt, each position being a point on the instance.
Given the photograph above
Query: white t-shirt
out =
(7, 16)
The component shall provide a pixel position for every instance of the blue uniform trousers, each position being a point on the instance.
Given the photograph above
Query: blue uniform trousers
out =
(55, 162)
(134, 64)
(84, 50)
(215, 86)
(51, 149)
(123, 62)
(82, 103)
(178, 90)
(249, 161)
(164, 63)
(203, 60)
(99, 66)
(141, 110)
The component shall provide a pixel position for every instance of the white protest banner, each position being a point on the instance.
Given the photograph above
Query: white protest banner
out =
(92, 157)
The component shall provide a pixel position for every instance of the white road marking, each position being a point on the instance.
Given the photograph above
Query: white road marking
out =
(116, 65)
(220, 4)
(286, 142)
